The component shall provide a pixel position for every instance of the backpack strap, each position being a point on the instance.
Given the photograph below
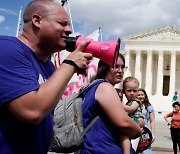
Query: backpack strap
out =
(82, 93)
(89, 126)
(87, 86)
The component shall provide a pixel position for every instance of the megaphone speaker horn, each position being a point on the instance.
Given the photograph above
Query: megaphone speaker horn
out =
(106, 51)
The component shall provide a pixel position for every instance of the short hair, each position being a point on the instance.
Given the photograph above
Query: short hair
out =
(130, 78)
(40, 7)
(175, 103)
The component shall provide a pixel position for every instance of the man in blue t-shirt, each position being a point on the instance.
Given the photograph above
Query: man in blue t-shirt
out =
(29, 85)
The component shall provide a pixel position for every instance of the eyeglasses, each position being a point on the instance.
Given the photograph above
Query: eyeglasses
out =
(122, 67)
(129, 90)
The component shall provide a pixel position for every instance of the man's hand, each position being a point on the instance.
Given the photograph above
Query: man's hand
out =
(80, 58)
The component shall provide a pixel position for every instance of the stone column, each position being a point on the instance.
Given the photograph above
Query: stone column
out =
(172, 73)
(159, 86)
(127, 63)
(148, 82)
(138, 66)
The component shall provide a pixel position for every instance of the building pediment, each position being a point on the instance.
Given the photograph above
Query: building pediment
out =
(164, 33)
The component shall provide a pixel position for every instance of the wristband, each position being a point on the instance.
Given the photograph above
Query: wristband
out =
(72, 63)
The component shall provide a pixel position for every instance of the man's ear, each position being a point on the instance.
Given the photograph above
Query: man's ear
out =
(36, 20)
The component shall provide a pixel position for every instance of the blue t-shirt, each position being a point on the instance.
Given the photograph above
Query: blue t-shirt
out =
(146, 113)
(102, 137)
(21, 72)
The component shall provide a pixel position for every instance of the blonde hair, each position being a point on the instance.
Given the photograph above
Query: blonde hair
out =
(130, 78)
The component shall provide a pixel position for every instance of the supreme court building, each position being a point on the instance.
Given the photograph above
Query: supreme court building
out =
(153, 57)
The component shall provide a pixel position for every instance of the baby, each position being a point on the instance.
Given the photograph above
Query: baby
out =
(133, 107)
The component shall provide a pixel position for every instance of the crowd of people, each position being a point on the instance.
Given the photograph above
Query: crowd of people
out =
(30, 89)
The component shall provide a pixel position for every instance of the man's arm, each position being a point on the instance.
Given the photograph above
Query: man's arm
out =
(35, 105)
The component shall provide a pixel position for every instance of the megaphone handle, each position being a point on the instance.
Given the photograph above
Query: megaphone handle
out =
(79, 70)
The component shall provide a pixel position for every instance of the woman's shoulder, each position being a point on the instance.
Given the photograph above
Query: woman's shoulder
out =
(105, 85)
(101, 87)
(95, 83)
(150, 108)
(170, 114)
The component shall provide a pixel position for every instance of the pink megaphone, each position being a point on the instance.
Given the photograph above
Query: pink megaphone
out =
(106, 51)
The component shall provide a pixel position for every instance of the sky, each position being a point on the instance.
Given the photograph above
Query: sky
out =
(116, 18)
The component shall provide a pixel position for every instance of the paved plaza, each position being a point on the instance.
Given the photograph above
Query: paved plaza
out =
(163, 142)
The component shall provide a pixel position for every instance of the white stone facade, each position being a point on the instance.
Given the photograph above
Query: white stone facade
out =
(153, 57)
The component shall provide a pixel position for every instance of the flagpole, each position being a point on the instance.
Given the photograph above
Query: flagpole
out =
(19, 23)
(70, 16)
(100, 33)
